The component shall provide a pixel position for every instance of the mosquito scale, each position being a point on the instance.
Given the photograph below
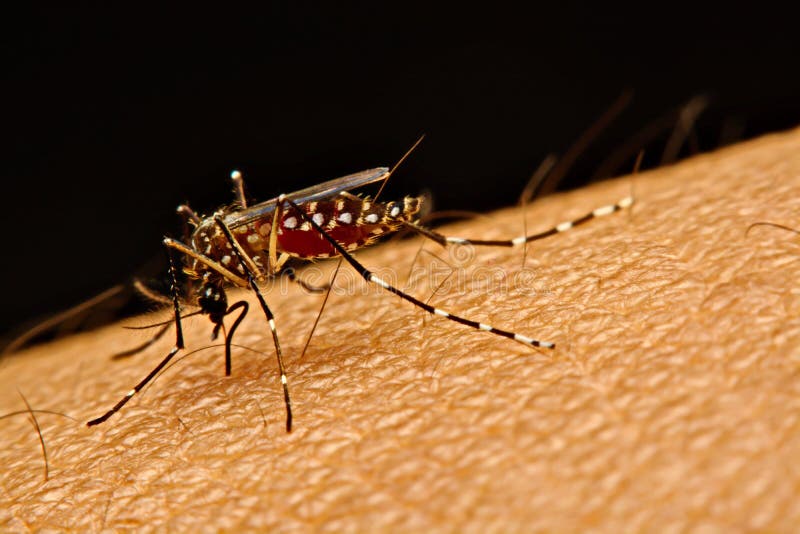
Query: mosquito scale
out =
(244, 244)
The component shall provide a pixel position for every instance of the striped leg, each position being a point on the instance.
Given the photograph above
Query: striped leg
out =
(178, 346)
(242, 257)
(367, 275)
(521, 240)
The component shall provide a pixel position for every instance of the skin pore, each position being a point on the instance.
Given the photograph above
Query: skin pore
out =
(671, 400)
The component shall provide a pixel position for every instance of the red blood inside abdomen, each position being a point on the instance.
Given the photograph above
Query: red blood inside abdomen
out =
(310, 243)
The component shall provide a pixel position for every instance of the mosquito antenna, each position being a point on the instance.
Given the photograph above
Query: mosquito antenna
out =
(321, 309)
(389, 175)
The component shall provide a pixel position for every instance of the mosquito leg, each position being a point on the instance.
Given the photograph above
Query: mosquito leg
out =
(238, 188)
(188, 214)
(140, 348)
(205, 260)
(367, 275)
(241, 255)
(148, 293)
(241, 304)
(173, 271)
(521, 240)
(164, 327)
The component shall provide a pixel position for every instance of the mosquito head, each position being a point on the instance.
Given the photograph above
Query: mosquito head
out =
(213, 301)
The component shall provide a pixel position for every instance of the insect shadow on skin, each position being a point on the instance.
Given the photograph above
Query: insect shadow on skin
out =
(243, 244)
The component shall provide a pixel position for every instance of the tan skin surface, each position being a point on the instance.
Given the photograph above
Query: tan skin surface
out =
(672, 399)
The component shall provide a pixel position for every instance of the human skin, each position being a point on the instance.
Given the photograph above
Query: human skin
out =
(671, 400)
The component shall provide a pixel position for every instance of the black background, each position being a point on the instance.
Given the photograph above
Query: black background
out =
(111, 118)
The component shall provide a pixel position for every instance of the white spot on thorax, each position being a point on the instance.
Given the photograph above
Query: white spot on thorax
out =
(290, 223)
(372, 218)
(345, 217)
(319, 219)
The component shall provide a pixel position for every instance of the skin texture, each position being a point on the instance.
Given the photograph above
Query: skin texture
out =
(672, 399)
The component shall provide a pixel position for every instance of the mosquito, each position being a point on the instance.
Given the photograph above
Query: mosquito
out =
(242, 245)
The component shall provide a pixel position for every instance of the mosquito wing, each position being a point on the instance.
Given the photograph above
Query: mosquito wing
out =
(309, 194)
